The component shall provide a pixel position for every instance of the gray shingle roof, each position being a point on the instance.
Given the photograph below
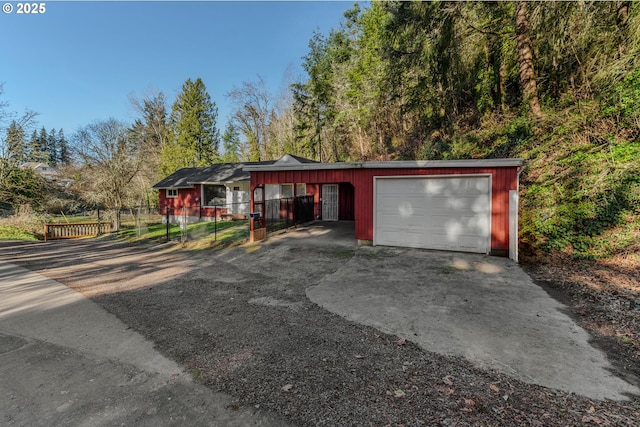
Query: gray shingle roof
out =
(221, 172)
(218, 173)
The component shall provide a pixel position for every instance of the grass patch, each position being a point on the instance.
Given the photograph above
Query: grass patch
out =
(203, 232)
(14, 233)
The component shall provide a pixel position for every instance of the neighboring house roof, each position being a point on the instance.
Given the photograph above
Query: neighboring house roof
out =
(43, 169)
(214, 174)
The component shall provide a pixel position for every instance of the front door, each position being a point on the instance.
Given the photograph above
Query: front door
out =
(330, 202)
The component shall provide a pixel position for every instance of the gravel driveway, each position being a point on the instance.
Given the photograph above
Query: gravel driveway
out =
(240, 321)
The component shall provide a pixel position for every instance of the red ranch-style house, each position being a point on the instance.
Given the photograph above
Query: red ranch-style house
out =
(219, 191)
(205, 193)
(458, 205)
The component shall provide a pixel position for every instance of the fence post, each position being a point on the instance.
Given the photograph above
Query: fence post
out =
(184, 224)
(215, 223)
(167, 221)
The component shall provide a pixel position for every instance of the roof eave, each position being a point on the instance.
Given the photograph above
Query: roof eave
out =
(163, 187)
(410, 164)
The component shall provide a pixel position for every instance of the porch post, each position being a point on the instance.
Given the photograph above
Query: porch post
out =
(295, 205)
(252, 208)
(263, 214)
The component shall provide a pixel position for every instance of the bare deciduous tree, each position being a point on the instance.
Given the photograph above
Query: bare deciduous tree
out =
(110, 160)
(150, 131)
(252, 114)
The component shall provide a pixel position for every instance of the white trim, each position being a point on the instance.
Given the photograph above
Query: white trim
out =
(421, 164)
(289, 186)
(513, 225)
(450, 176)
(171, 196)
(202, 199)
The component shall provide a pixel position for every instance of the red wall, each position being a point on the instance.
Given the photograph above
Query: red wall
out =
(503, 180)
(186, 197)
(189, 197)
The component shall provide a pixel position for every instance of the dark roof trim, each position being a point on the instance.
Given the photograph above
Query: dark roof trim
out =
(413, 164)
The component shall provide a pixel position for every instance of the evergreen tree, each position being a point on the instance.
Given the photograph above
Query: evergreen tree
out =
(38, 146)
(53, 148)
(15, 144)
(43, 146)
(64, 156)
(231, 144)
(193, 138)
(32, 148)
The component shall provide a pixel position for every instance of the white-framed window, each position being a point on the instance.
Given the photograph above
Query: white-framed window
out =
(172, 193)
(286, 191)
(301, 189)
(214, 195)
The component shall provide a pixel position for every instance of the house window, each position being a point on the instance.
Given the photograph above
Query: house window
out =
(214, 195)
(286, 191)
(236, 188)
(301, 190)
(172, 193)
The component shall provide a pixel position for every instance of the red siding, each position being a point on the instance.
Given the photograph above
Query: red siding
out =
(186, 197)
(189, 198)
(503, 180)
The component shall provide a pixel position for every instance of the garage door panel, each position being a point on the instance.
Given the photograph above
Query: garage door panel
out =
(434, 213)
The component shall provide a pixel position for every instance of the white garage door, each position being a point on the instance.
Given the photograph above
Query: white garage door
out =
(448, 213)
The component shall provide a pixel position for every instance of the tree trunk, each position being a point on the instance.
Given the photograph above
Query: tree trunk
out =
(621, 22)
(525, 60)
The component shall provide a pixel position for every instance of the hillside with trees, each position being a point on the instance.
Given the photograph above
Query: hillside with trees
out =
(557, 83)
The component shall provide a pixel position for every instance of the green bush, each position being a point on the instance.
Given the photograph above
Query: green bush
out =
(8, 232)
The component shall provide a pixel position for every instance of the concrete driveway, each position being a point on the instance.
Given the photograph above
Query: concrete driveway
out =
(485, 309)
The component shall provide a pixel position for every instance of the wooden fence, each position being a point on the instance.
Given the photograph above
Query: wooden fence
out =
(73, 230)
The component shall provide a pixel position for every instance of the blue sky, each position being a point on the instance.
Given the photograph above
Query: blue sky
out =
(80, 61)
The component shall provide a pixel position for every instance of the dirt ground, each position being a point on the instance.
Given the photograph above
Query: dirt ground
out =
(238, 319)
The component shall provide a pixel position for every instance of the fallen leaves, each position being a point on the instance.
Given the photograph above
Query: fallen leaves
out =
(446, 388)
(469, 405)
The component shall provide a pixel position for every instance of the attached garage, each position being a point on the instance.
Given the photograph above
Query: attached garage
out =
(458, 205)
(435, 212)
